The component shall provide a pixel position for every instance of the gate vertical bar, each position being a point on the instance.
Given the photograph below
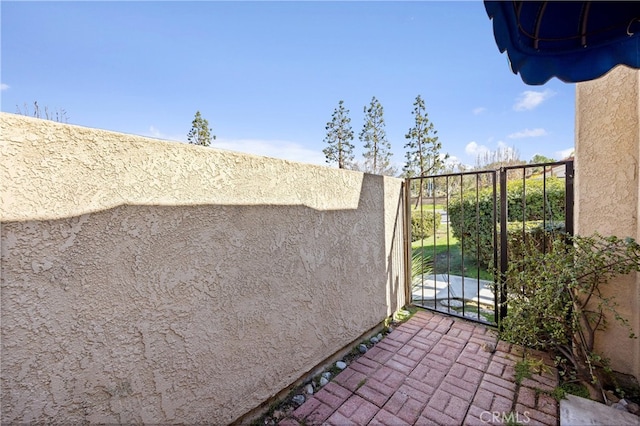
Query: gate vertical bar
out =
(407, 239)
(568, 199)
(419, 204)
(496, 279)
(464, 230)
(448, 246)
(524, 205)
(504, 261)
(545, 235)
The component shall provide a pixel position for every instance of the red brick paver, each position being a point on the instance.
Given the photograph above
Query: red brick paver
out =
(434, 370)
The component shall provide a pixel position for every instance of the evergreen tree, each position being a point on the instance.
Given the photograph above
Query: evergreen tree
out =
(200, 133)
(339, 137)
(423, 149)
(423, 156)
(374, 137)
(539, 158)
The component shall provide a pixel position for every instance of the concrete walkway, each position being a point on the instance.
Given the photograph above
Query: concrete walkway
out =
(576, 411)
(443, 287)
(434, 370)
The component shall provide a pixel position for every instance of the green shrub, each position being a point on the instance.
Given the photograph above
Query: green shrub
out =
(424, 224)
(535, 203)
(537, 233)
(556, 301)
(472, 216)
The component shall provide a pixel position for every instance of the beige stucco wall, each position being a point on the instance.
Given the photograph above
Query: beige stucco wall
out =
(608, 192)
(158, 282)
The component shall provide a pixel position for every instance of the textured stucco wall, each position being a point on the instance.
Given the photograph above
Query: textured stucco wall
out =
(158, 282)
(608, 192)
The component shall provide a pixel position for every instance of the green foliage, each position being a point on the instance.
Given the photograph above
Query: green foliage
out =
(535, 206)
(541, 235)
(420, 264)
(377, 152)
(339, 137)
(447, 256)
(423, 156)
(472, 216)
(573, 389)
(560, 393)
(522, 371)
(200, 133)
(404, 314)
(424, 223)
(539, 159)
(555, 299)
(527, 366)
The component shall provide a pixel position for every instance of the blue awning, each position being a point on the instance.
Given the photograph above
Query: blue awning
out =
(571, 40)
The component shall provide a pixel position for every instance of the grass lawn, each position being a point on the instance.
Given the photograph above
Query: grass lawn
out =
(448, 256)
(485, 311)
(429, 207)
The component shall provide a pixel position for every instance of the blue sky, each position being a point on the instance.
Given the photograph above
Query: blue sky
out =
(268, 75)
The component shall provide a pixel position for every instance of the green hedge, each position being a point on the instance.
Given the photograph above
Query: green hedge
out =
(540, 234)
(472, 224)
(424, 225)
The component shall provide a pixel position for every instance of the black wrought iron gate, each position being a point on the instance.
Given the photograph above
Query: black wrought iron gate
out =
(462, 228)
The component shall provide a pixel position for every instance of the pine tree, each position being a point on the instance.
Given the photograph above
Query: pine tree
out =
(339, 137)
(374, 137)
(423, 149)
(200, 133)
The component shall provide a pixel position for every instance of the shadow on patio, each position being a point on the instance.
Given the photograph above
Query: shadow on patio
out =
(434, 369)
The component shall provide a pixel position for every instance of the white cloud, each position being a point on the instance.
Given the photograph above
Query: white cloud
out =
(154, 132)
(452, 161)
(479, 110)
(4, 87)
(530, 99)
(283, 150)
(528, 133)
(473, 149)
(483, 154)
(454, 164)
(506, 151)
(561, 155)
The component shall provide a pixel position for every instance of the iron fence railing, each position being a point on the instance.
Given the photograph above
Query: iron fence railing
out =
(462, 228)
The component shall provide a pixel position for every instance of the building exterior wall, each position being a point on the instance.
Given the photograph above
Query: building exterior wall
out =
(158, 282)
(608, 192)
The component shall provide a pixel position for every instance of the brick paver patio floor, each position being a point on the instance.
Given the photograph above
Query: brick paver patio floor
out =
(434, 370)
